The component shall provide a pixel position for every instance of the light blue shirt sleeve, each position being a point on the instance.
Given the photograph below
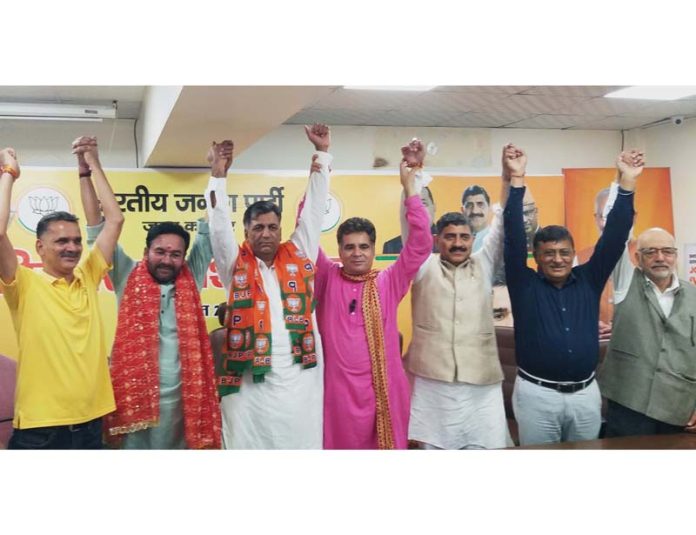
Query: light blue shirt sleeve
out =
(122, 263)
(201, 253)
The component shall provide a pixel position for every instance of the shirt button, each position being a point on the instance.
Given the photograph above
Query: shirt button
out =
(563, 309)
(570, 351)
(567, 329)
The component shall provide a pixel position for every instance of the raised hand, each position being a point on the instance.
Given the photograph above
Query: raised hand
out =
(514, 162)
(408, 178)
(220, 156)
(86, 147)
(414, 153)
(630, 164)
(319, 135)
(8, 157)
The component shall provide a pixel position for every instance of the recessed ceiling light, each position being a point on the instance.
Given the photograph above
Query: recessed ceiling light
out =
(654, 92)
(391, 87)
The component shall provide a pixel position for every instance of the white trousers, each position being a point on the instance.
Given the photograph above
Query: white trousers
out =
(546, 416)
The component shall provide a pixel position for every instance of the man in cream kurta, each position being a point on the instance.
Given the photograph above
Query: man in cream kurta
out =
(457, 399)
(284, 411)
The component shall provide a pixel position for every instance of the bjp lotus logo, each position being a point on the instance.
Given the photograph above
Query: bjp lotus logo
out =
(240, 279)
(292, 269)
(261, 344)
(294, 303)
(261, 305)
(308, 342)
(235, 339)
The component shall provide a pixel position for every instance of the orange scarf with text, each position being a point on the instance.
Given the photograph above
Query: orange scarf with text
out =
(372, 314)
(248, 341)
(135, 361)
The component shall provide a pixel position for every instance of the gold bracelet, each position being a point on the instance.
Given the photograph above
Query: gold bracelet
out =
(8, 169)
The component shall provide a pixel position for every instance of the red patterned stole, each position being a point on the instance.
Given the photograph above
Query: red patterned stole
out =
(248, 343)
(135, 361)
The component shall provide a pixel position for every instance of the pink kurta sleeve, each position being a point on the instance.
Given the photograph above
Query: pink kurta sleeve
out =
(417, 248)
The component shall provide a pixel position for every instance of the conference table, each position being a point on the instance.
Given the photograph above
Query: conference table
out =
(680, 441)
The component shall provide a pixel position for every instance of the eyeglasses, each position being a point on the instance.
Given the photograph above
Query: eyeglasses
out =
(652, 251)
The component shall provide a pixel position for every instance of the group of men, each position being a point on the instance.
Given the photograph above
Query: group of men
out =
(292, 377)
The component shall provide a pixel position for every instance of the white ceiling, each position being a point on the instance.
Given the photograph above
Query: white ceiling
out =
(555, 107)
(252, 112)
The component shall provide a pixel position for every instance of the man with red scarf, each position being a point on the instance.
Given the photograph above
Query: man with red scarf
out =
(161, 363)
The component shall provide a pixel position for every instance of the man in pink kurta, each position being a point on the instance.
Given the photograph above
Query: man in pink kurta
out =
(349, 395)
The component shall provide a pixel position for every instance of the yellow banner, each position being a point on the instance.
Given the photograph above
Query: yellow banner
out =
(148, 196)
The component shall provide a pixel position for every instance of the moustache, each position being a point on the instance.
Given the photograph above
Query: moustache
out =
(476, 215)
(69, 255)
(457, 250)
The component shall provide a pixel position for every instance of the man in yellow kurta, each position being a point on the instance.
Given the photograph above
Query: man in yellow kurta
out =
(63, 386)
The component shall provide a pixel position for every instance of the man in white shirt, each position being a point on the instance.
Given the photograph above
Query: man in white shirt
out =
(279, 406)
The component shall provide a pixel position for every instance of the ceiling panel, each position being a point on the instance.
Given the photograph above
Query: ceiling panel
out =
(551, 121)
(572, 90)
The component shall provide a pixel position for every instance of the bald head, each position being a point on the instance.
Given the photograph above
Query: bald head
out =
(656, 255)
(655, 237)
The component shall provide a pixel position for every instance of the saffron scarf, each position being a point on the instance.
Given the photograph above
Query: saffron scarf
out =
(135, 361)
(372, 314)
(248, 341)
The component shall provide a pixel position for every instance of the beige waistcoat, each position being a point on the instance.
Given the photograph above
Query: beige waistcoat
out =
(453, 332)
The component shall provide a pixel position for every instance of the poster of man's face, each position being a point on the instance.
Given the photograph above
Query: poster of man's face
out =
(476, 205)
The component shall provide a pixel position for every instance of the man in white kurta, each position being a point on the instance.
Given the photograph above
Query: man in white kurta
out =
(284, 411)
(457, 398)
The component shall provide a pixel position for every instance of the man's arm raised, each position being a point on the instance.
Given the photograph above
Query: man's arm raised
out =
(9, 172)
(222, 239)
(88, 196)
(308, 229)
(113, 217)
(514, 163)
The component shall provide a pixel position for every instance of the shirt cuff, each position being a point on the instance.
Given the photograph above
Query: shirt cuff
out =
(203, 227)
(324, 158)
(93, 231)
(413, 201)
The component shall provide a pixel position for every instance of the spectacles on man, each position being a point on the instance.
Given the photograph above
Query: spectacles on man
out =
(649, 252)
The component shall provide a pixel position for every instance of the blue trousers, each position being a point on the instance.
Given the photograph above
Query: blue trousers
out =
(84, 436)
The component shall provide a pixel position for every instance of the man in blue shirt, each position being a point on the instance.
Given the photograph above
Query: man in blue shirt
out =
(556, 310)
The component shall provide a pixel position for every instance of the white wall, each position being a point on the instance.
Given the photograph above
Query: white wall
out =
(354, 147)
(48, 143)
(673, 146)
